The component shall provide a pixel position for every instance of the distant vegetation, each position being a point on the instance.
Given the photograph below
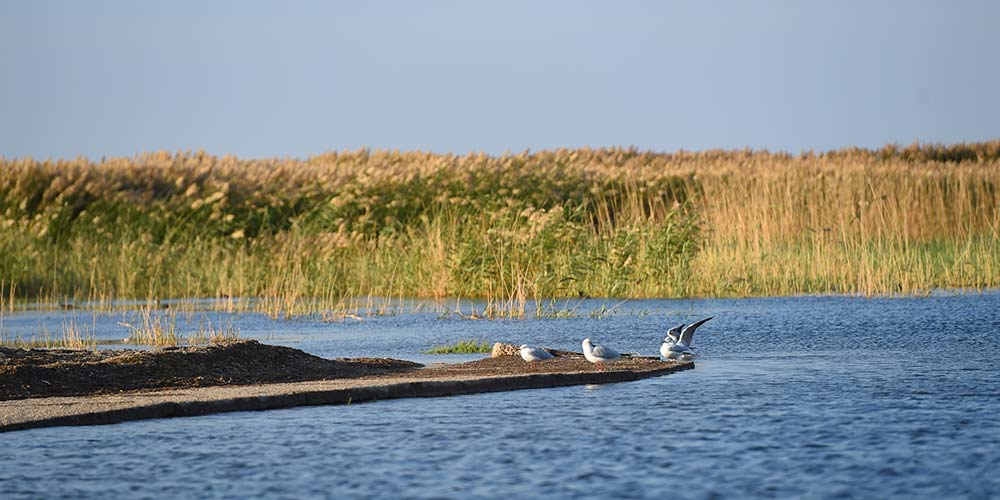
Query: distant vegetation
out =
(564, 223)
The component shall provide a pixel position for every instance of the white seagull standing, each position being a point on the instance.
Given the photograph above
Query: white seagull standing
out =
(598, 354)
(532, 354)
(678, 342)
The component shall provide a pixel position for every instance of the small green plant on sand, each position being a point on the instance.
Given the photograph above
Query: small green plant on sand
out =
(462, 347)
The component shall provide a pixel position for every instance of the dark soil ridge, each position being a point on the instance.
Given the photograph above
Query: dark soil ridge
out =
(37, 373)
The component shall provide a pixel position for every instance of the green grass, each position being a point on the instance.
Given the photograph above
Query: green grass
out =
(462, 347)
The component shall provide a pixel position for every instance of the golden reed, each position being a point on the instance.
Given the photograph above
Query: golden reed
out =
(598, 222)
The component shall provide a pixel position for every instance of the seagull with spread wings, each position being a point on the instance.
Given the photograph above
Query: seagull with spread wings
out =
(679, 339)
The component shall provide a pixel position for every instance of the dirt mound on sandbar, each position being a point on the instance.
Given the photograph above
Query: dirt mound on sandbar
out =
(28, 373)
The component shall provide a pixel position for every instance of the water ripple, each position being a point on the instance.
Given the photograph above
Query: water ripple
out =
(846, 398)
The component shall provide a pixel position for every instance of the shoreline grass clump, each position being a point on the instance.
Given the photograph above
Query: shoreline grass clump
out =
(159, 328)
(462, 347)
(300, 236)
(71, 335)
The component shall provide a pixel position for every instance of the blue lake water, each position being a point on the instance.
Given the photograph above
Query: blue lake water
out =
(818, 397)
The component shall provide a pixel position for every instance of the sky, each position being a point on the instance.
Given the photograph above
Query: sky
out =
(298, 78)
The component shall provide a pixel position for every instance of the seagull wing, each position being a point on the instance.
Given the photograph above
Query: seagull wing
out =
(675, 332)
(687, 334)
(535, 354)
(605, 352)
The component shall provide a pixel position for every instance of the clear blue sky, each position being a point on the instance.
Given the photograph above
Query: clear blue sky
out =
(266, 79)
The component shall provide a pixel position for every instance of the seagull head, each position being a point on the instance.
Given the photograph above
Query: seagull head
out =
(586, 342)
(524, 346)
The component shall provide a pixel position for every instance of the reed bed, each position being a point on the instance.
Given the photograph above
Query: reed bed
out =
(303, 236)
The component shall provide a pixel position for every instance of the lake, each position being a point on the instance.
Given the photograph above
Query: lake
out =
(818, 397)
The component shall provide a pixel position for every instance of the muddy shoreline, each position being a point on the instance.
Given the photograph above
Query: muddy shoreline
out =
(30, 373)
(229, 383)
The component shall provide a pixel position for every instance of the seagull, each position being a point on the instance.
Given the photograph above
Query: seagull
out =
(598, 354)
(532, 354)
(677, 343)
(670, 349)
